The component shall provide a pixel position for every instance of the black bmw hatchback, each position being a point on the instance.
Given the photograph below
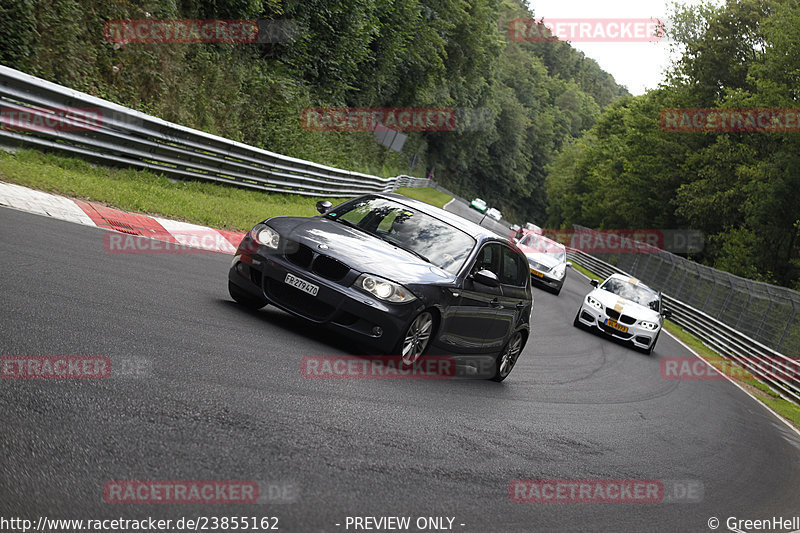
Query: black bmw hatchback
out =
(397, 275)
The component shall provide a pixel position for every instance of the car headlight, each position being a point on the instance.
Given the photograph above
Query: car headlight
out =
(265, 235)
(560, 270)
(594, 303)
(652, 326)
(383, 289)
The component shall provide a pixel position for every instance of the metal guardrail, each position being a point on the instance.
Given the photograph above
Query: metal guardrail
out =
(76, 123)
(780, 373)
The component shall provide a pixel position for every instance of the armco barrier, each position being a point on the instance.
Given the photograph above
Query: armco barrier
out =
(124, 137)
(783, 375)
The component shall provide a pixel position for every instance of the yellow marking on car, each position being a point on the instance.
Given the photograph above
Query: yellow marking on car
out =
(634, 281)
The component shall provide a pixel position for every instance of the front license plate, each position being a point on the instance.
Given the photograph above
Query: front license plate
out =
(615, 325)
(537, 274)
(302, 284)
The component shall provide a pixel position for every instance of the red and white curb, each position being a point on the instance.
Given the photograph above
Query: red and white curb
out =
(132, 224)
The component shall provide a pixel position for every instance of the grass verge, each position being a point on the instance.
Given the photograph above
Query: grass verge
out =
(426, 194)
(770, 398)
(199, 202)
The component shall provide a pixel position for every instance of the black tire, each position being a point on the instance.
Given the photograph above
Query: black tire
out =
(243, 298)
(416, 339)
(577, 322)
(507, 358)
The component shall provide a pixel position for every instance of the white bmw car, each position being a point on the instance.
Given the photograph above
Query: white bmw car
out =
(625, 309)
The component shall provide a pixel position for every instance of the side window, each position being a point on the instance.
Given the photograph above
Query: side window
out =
(514, 268)
(489, 258)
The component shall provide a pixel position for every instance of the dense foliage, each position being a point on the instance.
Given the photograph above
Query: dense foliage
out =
(741, 189)
(519, 101)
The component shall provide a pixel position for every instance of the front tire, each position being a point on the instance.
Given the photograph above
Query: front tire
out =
(508, 357)
(245, 299)
(417, 337)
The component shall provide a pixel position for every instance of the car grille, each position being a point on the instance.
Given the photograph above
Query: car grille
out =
(302, 256)
(327, 267)
(298, 301)
(624, 319)
(330, 268)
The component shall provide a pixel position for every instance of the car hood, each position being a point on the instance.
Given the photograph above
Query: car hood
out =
(359, 250)
(547, 260)
(625, 307)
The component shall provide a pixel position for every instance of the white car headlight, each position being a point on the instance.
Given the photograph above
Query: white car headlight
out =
(652, 326)
(265, 235)
(594, 303)
(383, 289)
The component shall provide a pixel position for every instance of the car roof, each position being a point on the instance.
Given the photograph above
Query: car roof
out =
(635, 281)
(470, 228)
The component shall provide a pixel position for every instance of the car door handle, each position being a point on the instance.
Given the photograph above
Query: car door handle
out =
(520, 305)
(495, 303)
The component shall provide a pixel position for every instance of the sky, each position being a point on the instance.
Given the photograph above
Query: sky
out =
(638, 66)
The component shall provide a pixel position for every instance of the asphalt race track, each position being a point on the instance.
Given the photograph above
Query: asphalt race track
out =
(203, 390)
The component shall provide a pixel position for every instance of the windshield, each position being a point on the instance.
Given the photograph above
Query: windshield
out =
(632, 292)
(429, 238)
(533, 243)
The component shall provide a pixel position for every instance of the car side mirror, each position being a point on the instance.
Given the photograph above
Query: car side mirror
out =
(594, 283)
(323, 206)
(667, 313)
(486, 277)
(569, 264)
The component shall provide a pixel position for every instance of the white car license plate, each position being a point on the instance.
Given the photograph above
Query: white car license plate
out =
(302, 284)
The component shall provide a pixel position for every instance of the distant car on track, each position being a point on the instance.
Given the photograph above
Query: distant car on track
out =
(494, 213)
(533, 227)
(479, 205)
(626, 309)
(547, 260)
(397, 275)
